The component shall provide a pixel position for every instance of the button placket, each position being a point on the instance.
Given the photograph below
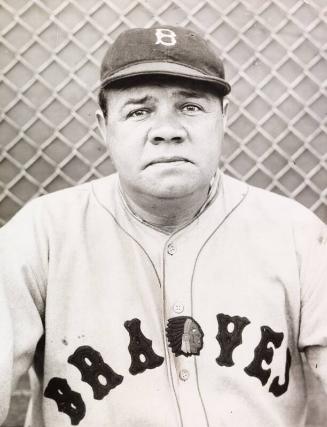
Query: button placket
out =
(184, 374)
(178, 303)
(178, 308)
(171, 249)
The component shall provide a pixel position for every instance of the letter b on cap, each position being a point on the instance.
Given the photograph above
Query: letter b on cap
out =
(165, 36)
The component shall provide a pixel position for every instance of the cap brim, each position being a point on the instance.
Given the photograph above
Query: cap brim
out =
(168, 69)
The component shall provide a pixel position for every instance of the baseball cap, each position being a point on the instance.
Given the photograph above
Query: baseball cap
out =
(164, 50)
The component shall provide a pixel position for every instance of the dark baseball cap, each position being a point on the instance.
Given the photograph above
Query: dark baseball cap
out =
(164, 50)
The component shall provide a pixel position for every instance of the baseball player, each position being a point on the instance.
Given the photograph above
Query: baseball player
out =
(167, 294)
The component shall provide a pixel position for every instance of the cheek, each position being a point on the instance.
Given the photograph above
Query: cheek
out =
(122, 158)
(212, 139)
(209, 156)
(122, 148)
(210, 132)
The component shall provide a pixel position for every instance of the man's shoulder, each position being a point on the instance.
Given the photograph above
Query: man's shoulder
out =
(66, 204)
(265, 204)
(77, 194)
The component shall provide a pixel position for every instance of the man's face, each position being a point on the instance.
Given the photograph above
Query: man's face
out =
(196, 337)
(164, 137)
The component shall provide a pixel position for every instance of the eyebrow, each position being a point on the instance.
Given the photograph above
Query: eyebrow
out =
(185, 93)
(191, 94)
(135, 101)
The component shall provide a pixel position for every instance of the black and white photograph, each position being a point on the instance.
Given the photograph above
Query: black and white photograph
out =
(163, 213)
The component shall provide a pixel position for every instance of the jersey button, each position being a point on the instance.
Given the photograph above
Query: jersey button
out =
(171, 249)
(178, 308)
(184, 375)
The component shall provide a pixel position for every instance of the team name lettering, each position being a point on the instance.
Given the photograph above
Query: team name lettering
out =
(68, 401)
(263, 353)
(140, 348)
(229, 340)
(94, 371)
(165, 36)
(102, 378)
(278, 389)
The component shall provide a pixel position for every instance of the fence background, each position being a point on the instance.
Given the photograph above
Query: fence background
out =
(275, 58)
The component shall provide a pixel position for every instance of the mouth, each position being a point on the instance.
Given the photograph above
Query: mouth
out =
(174, 160)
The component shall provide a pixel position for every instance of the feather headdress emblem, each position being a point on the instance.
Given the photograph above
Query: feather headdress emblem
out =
(185, 336)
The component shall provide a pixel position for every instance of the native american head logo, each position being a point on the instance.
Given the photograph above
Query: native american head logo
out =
(185, 336)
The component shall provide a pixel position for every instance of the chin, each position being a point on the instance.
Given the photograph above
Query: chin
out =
(173, 186)
(172, 191)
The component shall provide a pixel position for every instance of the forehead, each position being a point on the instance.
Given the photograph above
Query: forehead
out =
(174, 86)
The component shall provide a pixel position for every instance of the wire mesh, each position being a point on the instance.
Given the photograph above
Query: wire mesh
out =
(275, 57)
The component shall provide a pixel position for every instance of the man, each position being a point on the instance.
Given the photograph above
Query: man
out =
(167, 294)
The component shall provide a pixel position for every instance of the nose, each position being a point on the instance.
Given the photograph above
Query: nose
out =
(167, 129)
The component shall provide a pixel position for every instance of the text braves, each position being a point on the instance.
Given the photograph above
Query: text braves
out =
(102, 378)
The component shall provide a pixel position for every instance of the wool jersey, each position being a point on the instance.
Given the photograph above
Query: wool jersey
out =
(123, 325)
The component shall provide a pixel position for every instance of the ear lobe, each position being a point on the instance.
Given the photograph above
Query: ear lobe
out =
(225, 111)
(102, 125)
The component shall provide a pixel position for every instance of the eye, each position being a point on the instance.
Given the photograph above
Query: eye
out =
(191, 108)
(140, 113)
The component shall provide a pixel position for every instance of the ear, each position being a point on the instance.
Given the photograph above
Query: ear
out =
(102, 125)
(225, 111)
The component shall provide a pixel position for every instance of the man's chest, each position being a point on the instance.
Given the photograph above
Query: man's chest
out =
(119, 309)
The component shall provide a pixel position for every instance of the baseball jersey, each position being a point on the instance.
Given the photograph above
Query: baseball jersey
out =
(124, 325)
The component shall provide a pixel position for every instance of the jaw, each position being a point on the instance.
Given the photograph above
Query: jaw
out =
(173, 181)
(166, 202)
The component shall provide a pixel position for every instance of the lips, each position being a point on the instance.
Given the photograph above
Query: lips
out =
(173, 159)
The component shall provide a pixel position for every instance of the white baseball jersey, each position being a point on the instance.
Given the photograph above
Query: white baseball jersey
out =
(127, 326)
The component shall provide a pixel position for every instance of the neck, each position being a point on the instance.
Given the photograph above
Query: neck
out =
(166, 214)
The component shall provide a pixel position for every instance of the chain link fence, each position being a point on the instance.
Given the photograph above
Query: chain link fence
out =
(275, 57)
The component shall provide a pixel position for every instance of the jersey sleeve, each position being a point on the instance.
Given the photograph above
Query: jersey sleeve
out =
(312, 255)
(23, 264)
